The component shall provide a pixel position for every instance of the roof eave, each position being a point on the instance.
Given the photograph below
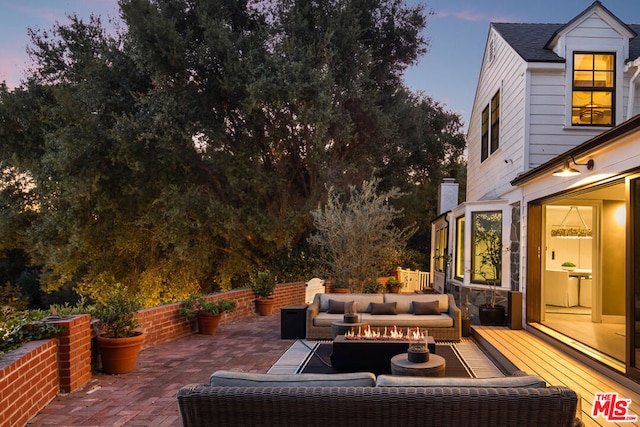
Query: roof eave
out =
(600, 140)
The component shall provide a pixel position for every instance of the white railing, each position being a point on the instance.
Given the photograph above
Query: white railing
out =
(414, 280)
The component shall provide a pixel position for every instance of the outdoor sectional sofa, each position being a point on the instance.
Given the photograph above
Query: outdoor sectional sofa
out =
(443, 326)
(362, 400)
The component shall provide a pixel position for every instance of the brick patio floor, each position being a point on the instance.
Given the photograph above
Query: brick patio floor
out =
(147, 396)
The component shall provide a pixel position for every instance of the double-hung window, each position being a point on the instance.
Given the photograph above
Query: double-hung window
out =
(593, 90)
(490, 139)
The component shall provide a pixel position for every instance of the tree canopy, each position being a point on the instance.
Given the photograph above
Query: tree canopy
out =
(187, 150)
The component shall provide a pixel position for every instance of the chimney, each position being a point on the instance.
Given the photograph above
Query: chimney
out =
(447, 195)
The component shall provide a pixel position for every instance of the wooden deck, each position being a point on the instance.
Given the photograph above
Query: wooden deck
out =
(526, 351)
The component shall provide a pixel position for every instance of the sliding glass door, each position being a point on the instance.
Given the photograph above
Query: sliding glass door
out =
(633, 278)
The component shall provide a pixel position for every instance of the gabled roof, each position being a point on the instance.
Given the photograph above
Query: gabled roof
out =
(531, 41)
(595, 5)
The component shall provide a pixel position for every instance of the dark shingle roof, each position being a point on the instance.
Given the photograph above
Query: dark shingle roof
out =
(529, 40)
(634, 44)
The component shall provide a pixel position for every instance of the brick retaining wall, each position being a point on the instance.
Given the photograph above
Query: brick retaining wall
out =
(28, 381)
(31, 376)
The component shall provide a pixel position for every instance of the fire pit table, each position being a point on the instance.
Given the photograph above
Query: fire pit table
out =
(340, 327)
(364, 355)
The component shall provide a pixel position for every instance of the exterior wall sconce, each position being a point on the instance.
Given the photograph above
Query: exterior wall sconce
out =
(567, 170)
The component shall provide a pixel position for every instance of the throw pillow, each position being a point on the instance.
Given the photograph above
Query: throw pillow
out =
(336, 307)
(383, 308)
(424, 308)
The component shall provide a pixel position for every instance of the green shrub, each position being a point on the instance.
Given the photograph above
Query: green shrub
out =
(20, 327)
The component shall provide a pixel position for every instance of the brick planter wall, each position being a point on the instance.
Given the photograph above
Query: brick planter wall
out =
(74, 351)
(165, 323)
(31, 376)
(28, 381)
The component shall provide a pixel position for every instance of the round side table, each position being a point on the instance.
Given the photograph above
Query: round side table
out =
(434, 367)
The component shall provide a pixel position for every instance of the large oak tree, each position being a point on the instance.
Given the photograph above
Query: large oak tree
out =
(188, 148)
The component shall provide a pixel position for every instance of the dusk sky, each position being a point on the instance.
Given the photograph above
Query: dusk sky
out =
(448, 72)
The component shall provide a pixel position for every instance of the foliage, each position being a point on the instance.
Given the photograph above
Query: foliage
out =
(19, 327)
(358, 235)
(185, 151)
(195, 303)
(116, 314)
(568, 264)
(488, 236)
(393, 282)
(341, 284)
(263, 284)
(372, 287)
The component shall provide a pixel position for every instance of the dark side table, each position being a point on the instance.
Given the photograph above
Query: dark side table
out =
(293, 322)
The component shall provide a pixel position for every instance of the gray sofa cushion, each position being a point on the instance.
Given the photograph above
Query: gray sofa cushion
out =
(524, 381)
(247, 379)
(421, 308)
(336, 307)
(385, 308)
(404, 301)
(362, 300)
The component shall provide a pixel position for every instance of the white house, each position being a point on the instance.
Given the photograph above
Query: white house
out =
(555, 98)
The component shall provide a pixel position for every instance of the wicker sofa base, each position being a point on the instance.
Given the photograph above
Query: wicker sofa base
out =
(202, 405)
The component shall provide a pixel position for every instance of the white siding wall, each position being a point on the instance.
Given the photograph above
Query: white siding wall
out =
(506, 73)
(548, 135)
(550, 132)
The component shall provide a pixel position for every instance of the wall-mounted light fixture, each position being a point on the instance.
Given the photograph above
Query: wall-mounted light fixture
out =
(567, 170)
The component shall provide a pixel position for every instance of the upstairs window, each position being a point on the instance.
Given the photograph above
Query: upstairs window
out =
(490, 128)
(495, 122)
(593, 91)
(485, 135)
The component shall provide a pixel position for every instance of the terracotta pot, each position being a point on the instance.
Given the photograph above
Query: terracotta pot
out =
(395, 289)
(264, 306)
(119, 355)
(491, 316)
(208, 323)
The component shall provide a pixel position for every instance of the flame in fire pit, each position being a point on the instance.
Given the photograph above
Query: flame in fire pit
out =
(394, 333)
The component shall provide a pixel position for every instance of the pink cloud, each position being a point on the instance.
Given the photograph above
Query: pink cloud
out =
(470, 15)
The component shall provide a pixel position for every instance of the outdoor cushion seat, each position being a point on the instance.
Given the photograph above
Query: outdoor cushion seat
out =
(514, 381)
(249, 379)
(445, 326)
(442, 402)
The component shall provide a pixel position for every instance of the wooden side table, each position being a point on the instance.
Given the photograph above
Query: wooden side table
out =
(434, 367)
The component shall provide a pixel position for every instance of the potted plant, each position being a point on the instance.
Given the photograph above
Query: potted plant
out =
(373, 287)
(568, 266)
(340, 287)
(394, 285)
(489, 235)
(118, 340)
(207, 313)
(264, 285)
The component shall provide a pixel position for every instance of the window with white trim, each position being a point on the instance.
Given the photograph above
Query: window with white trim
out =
(593, 89)
(490, 139)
